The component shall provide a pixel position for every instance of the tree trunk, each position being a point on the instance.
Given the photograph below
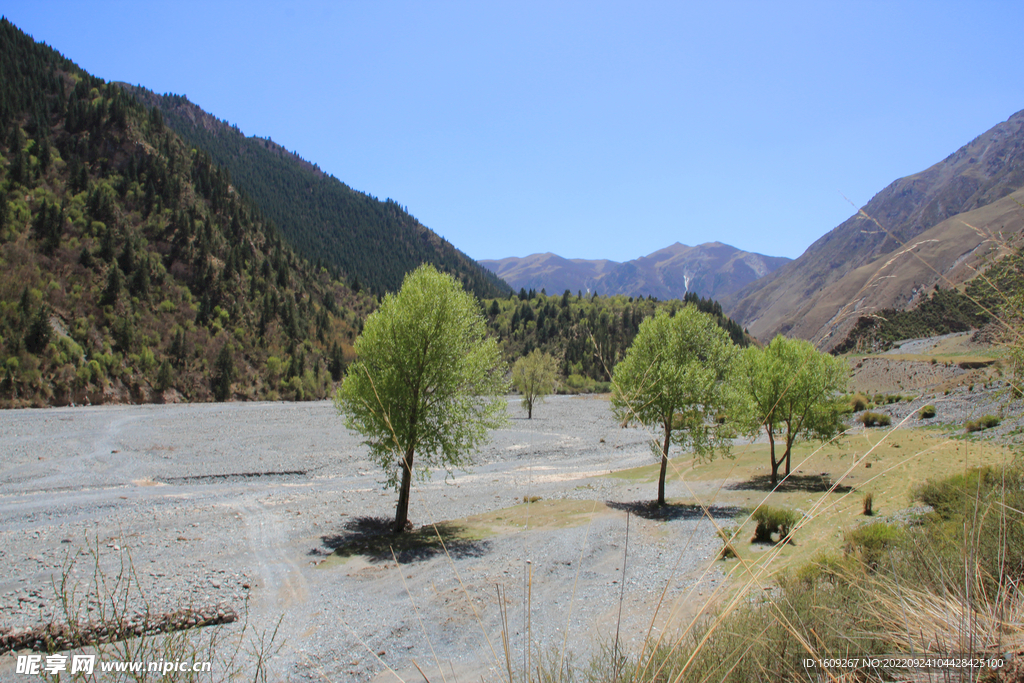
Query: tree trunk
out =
(529, 409)
(775, 463)
(664, 463)
(402, 513)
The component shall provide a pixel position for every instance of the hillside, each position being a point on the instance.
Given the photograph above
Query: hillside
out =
(355, 235)
(587, 335)
(936, 226)
(133, 271)
(712, 270)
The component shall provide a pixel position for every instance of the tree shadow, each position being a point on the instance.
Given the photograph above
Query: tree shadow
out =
(373, 538)
(649, 509)
(806, 483)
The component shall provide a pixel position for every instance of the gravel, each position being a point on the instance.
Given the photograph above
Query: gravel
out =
(238, 505)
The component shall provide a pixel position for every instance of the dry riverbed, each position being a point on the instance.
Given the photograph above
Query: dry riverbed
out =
(243, 506)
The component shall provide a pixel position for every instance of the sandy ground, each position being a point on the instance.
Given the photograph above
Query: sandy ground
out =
(242, 505)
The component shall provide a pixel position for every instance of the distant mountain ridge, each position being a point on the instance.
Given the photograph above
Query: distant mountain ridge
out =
(712, 270)
(356, 235)
(939, 226)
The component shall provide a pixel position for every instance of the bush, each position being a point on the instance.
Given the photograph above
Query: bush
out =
(950, 497)
(727, 551)
(976, 510)
(875, 420)
(772, 520)
(869, 543)
(927, 412)
(986, 422)
(869, 505)
(859, 402)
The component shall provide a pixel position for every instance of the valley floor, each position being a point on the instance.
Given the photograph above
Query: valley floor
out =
(273, 510)
(243, 504)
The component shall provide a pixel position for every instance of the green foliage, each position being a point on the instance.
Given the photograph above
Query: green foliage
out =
(982, 423)
(869, 419)
(859, 402)
(790, 390)
(373, 243)
(870, 542)
(773, 524)
(165, 376)
(927, 412)
(675, 376)
(224, 373)
(980, 510)
(587, 336)
(124, 232)
(534, 377)
(983, 300)
(426, 381)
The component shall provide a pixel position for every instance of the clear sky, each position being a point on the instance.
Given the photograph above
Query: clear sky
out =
(589, 129)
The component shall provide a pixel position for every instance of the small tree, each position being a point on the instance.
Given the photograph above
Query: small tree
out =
(674, 376)
(223, 373)
(533, 376)
(791, 391)
(426, 380)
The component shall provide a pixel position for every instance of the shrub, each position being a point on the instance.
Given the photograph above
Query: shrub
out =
(986, 422)
(869, 543)
(875, 420)
(927, 412)
(727, 551)
(869, 501)
(772, 520)
(859, 402)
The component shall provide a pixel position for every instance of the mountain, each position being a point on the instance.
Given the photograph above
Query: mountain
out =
(372, 242)
(939, 226)
(132, 269)
(712, 270)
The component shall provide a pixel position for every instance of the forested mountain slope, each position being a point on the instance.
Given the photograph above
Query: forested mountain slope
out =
(862, 265)
(587, 335)
(359, 237)
(132, 270)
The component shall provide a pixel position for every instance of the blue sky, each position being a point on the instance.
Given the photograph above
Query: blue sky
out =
(589, 129)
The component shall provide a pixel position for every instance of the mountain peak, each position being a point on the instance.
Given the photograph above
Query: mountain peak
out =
(711, 270)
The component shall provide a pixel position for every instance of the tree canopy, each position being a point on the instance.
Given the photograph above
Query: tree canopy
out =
(790, 390)
(534, 376)
(426, 381)
(675, 375)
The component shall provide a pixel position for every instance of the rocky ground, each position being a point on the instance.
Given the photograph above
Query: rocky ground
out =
(241, 506)
(969, 387)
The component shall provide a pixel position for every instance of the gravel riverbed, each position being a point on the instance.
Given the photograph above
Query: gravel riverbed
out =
(241, 505)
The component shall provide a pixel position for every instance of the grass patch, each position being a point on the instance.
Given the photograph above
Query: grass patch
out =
(982, 423)
(875, 420)
(773, 524)
(899, 461)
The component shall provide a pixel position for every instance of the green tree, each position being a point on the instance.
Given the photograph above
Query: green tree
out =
(790, 389)
(533, 376)
(426, 381)
(675, 376)
(223, 373)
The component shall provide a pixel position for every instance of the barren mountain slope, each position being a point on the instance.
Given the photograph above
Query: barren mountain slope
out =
(946, 255)
(978, 174)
